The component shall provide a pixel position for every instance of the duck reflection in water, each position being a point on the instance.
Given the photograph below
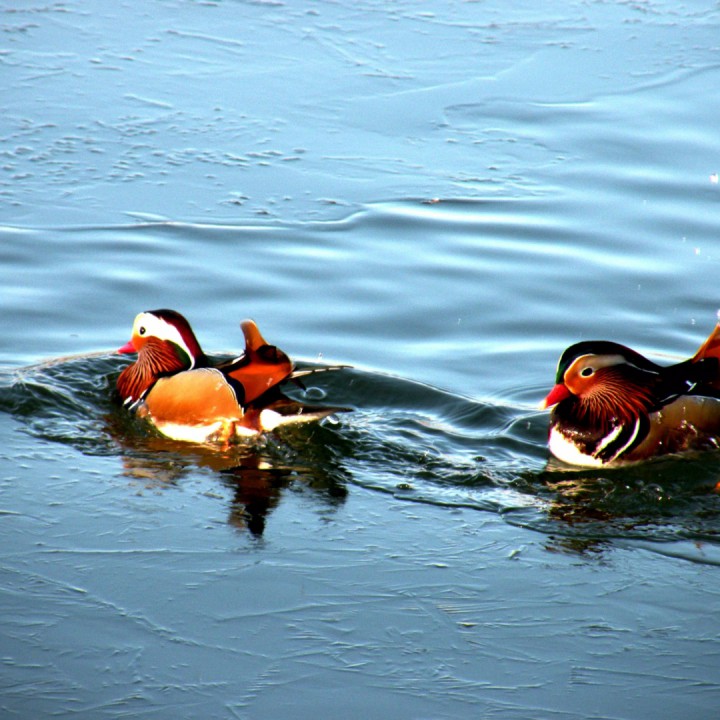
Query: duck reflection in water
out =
(257, 473)
(669, 498)
(258, 489)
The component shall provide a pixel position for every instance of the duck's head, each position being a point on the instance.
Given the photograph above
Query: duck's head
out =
(604, 380)
(165, 344)
(168, 329)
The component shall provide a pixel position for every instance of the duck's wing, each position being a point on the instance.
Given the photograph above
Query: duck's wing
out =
(711, 347)
(262, 366)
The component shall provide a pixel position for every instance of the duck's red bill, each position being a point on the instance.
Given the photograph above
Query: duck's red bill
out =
(127, 348)
(558, 393)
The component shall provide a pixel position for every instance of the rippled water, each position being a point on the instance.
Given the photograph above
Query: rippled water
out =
(442, 201)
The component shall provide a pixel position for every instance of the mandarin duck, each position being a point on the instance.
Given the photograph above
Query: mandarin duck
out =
(612, 406)
(174, 386)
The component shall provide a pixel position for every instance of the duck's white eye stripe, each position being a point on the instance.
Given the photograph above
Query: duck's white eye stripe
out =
(147, 324)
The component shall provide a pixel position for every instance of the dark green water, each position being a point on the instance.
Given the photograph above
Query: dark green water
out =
(442, 199)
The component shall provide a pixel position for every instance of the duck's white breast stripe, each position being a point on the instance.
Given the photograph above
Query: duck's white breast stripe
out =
(613, 435)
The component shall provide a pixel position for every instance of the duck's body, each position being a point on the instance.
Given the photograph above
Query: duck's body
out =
(613, 406)
(173, 386)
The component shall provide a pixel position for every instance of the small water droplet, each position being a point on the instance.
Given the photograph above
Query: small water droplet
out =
(315, 393)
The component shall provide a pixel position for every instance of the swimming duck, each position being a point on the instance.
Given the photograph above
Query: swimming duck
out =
(174, 386)
(612, 406)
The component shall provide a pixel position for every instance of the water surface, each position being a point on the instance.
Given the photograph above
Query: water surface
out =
(442, 200)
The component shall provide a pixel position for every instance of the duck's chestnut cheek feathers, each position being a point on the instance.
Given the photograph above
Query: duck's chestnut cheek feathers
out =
(558, 393)
(578, 385)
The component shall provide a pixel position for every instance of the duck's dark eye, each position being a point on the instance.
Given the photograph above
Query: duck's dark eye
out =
(141, 331)
(587, 372)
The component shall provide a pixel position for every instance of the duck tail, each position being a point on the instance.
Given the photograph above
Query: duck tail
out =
(261, 367)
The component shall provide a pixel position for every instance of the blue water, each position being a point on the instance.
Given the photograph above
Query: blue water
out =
(442, 199)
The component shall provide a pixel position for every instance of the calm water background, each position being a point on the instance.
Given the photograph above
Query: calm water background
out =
(441, 196)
